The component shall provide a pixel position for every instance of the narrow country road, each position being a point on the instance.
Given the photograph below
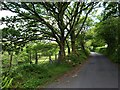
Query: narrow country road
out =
(99, 72)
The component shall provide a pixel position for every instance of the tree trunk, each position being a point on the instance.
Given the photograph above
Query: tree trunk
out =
(62, 51)
(68, 47)
(36, 58)
(73, 41)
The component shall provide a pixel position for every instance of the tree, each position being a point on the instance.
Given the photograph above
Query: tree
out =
(64, 17)
(109, 31)
(10, 34)
(14, 36)
(77, 22)
(112, 9)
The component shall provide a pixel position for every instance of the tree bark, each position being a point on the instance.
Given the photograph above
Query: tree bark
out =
(62, 51)
(73, 41)
(68, 47)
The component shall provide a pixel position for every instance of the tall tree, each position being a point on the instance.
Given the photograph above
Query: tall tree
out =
(109, 31)
(77, 23)
(59, 18)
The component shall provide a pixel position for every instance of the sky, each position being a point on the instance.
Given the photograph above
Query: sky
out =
(4, 13)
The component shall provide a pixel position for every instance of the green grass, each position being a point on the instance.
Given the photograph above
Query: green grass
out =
(32, 76)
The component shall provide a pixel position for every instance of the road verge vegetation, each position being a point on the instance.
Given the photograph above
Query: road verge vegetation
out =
(33, 76)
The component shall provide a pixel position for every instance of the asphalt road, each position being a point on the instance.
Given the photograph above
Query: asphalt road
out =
(99, 72)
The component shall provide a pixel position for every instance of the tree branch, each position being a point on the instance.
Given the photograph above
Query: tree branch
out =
(85, 20)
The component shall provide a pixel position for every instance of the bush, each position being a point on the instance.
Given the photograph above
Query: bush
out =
(72, 58)
(29, 75)
(76, 58)
(103, 51)
(114, 57)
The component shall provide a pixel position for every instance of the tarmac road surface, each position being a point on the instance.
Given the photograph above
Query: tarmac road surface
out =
(99, 72)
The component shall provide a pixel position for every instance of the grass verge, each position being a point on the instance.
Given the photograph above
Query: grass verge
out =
(37, 76)
(32, 76)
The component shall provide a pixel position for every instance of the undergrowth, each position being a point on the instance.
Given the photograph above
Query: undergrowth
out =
(32, 76)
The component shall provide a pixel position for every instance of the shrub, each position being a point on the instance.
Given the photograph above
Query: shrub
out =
(73, 58)
(103, 51)
(76, 58)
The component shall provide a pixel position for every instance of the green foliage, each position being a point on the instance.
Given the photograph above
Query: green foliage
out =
(10, 40)
(45, 49)
(73, 58)
(38, 17)
(109, 32)
(6, 82)
(32, 23)
(92, 40)
(102, 50)
(5, 58)
(111, 9)
(23, 57)
(32, 76)
(76, 58)
(48, 48)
